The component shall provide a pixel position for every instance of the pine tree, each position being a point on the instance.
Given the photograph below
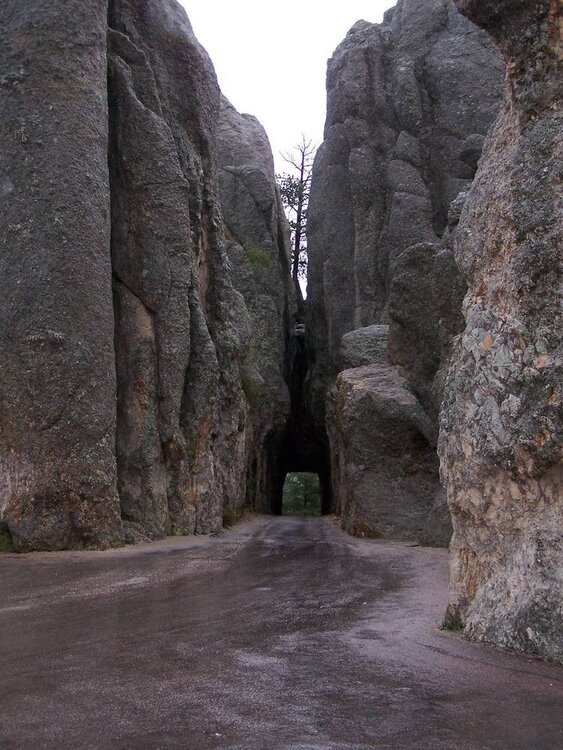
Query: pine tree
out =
(295, 189)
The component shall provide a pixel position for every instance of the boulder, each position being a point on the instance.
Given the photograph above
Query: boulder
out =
(383, 454)
(364, 346)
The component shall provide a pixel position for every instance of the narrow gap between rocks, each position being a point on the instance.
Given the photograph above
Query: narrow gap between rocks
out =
(303, 445)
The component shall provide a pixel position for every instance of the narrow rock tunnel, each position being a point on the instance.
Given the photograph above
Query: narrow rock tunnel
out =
(303, 445)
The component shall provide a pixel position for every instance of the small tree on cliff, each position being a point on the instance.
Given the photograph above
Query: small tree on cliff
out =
(295, 188)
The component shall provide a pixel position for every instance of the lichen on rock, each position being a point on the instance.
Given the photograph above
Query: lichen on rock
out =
(501, 435)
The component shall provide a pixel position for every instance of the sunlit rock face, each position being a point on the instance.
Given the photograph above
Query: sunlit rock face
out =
(409, 103)
(501, 422)
(122, 409)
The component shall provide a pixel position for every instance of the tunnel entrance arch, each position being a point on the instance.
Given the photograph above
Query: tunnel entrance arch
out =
(301, 445)
(302, 452)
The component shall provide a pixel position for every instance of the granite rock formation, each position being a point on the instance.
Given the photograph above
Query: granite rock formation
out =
(501, 422)
(123, 413)
(409, 103)
(258, 247)
(154, 379)
(58, 474)
(180, 408)
(384, 448)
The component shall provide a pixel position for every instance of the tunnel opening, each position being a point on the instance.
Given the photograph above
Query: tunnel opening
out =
(302, 447)
(301, 494)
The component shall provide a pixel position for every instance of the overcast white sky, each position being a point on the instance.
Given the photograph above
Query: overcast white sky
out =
(270, 57)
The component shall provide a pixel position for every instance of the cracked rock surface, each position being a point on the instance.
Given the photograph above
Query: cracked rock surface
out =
(409, 103)
(501, 422)
(124, 414)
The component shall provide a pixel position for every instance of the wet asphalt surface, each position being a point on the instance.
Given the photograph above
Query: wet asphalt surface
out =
(281, 634)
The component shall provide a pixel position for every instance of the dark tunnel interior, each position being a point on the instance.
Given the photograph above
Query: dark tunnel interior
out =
(303, 446)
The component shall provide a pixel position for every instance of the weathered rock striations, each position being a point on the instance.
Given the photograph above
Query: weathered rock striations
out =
(58, 474)
(152, 381)
(180, 442)
(408, 100)
(501, 436)
(124, 417)
(258, 247)
(409, 103)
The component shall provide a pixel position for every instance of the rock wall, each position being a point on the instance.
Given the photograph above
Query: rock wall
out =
(258, 247)
(501, 423)
(179, 401)
(409, 103)
(123, 413)
(58, 473)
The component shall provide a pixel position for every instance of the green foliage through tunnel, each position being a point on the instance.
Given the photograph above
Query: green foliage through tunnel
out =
(301, 495)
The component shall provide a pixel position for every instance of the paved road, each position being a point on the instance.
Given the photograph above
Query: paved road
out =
(281, 634)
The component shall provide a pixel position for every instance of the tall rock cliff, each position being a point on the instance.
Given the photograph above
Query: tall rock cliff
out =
(58, 473)
(179, 401)
(258, 247)
(501, 433)
(409, 103)
(123, 413)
